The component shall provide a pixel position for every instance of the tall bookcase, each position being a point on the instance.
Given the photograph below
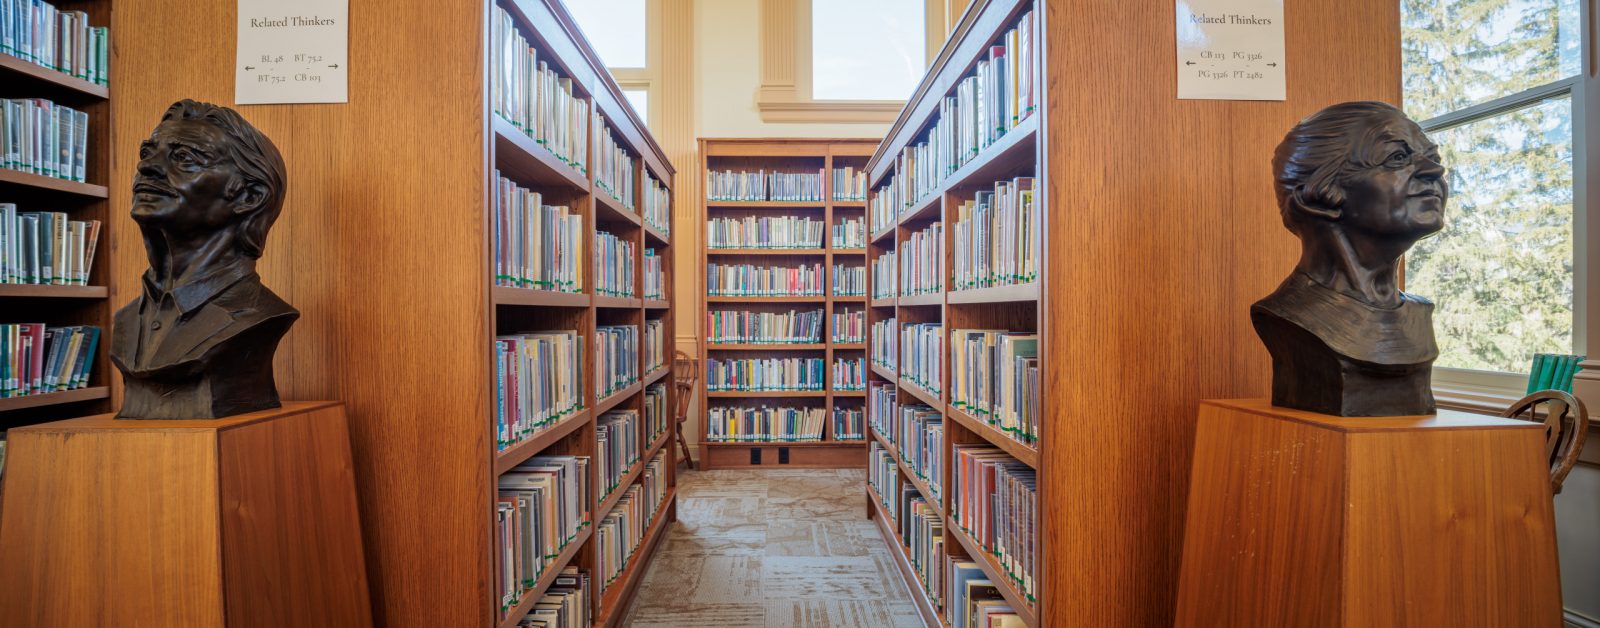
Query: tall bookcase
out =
(88, 200)
(809, 155)
(518, 157)
(1157, 228)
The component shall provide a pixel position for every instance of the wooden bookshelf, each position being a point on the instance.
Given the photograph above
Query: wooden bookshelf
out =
(786, 155)
(85, 200)
(1157, 227)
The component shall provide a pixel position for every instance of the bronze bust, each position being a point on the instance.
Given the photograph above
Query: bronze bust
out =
(1359, 184)
(198, 341)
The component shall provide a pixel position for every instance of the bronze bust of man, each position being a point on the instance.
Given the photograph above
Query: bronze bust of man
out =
(198, 341)
(1359, 184)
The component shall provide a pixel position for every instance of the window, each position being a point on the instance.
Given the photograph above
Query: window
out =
(867, 50)
(615, 28)
(1497, 84)
(640, 99)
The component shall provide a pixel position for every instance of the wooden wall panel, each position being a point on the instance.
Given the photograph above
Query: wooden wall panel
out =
(379, 246)
(1162, 230)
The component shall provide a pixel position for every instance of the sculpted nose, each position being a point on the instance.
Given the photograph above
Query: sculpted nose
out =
(1429, 169)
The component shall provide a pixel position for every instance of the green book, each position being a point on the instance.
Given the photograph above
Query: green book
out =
(1539, 360)
(1547, 373)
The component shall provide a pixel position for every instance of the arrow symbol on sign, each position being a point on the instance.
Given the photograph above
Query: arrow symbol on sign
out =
(1272, 65)
(1188, 63)
(334, 65)
(248, 68)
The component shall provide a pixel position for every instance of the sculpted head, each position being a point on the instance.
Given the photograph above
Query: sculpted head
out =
(206, 170)
(1363, 169)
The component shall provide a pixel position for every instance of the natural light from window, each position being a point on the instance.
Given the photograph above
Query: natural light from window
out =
(640, 99)
(873, 50)
(615, 28)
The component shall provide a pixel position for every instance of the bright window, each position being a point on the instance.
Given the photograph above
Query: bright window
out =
(615, 28)
(1492, 82)
(640, 99)
(873, 50)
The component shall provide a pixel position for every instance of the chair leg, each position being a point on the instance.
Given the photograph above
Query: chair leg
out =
(683, 445)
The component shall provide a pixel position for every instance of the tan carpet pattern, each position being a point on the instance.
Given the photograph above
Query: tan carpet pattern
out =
(788, 547)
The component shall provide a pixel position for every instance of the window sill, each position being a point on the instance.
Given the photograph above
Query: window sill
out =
(835, 111)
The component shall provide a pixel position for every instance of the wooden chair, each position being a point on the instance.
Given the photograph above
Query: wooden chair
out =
(685, 375)
(1566, 423)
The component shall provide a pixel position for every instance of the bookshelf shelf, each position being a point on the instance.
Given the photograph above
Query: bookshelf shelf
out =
(514, 455)
(772, 299)
(883, 302)
(886, 234)
(910, 475)
(657, 304)
(525, 161)
(786, 443)
(761, 394)
(996, 294)
(719, 252)
(609, 210)
(48, 83)
(503, 295)
(921, 300)
(849, 251)
(92, 393)
(849, 393)
(546, 578)
(654, 376)
(609, 500)
(849, 346)
(28, 180)
(885, 373)
(996, 574)
(902, 561)
(611, 401)
(51, 292)
(721, 346)
(848, 298)
(926, 208)
(1014, 151)
(653, 235)
(618, 303)
(766, 204)
(859, 204)
(617, 594)
(1023, 452)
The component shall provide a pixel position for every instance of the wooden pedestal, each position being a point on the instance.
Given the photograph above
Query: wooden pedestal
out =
(1302, 519)
(245, 521)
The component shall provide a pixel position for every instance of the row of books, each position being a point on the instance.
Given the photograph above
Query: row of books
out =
(922, 262)
(850, 233)
(655, 275)
(616, 448)
(613, 265)
(982, 108)
(922, 529)
(994, 499)
(765, 232)
(39, 33)
(885, 334)
(746, 327)
(530, 94)
(616, 358)
(884, 479)
(849, 423)
(749, 280)
(655, 344)
(564, 605)
(740, 424)
(849, 184)
(849, 281)
(613, 168)
(850, 374)
(621, 531)
(762, 185)
(40, 137)
(975, 601)
(538, 380)
(994, 376)
(45, 248)
(541, 506)
(536, 246)
(657, 205)
(37, 359)
(917, 431)
(849, 326)
(657, 416)
(885, 276)
(885, 205)
(996, 237)
(921, 360)
(882, 407)
(765, 374)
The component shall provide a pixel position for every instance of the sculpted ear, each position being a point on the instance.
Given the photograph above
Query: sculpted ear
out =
(1327, 205)
(249, 196)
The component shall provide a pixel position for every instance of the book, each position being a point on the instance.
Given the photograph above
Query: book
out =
(882, 408)
(849, 184)
(917, 432)
(849, 325)
(655, 345)
(760, 424)
(764, 232)
(921, 260)
(613, 171)
(920, 355)
(885, 276)
(771, 328)
(621, 531)
(849, 281)
(994, 376)
(958, 574)
(613, 265)
(849, 233)
(763, 185)
(885, 205)
(750, 280)
(536, 246)
(850, 374)
(45, 248)
(538, 382)
(922, 532)
(883, 477)
(764, 374)
(40, 137)
(617, 448)
(37, 359)
(525, 90)
(996, 237)
(655, 277)
(541, 506)
(657, 416)
(885, 342)
(566, 604)
(657, 201)
(994, 500)
(64, 41)
(616, 358)
(848, 423)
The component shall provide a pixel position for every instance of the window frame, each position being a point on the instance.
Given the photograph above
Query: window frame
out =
(1493, 391)
(647, 78)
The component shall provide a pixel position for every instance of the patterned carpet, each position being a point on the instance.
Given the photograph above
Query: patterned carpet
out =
(789, 547)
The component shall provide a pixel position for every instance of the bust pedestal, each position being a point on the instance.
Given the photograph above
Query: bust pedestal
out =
(1304, 519)
(245, 521)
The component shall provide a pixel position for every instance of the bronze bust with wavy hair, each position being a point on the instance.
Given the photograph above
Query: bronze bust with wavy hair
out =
(1359, 184)
(198, 341)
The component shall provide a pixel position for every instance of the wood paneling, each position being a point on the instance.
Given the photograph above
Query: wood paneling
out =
(380, 247)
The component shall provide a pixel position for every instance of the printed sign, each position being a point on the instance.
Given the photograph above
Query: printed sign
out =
(1230, 49)
(292, 51)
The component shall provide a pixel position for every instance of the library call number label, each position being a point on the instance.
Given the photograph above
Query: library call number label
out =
(1230, 49)
(292, 51)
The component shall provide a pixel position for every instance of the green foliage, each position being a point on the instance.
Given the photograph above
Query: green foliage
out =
(1501, 271)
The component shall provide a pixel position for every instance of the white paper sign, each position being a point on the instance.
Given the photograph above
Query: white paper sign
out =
(1230, 49)
(292, 51)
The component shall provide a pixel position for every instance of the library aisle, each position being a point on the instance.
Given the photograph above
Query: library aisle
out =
(772, 548)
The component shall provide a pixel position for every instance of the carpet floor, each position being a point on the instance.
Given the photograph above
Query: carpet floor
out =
(787, 547)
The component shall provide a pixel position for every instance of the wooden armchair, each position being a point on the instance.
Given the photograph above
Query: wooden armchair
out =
(685, 375)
